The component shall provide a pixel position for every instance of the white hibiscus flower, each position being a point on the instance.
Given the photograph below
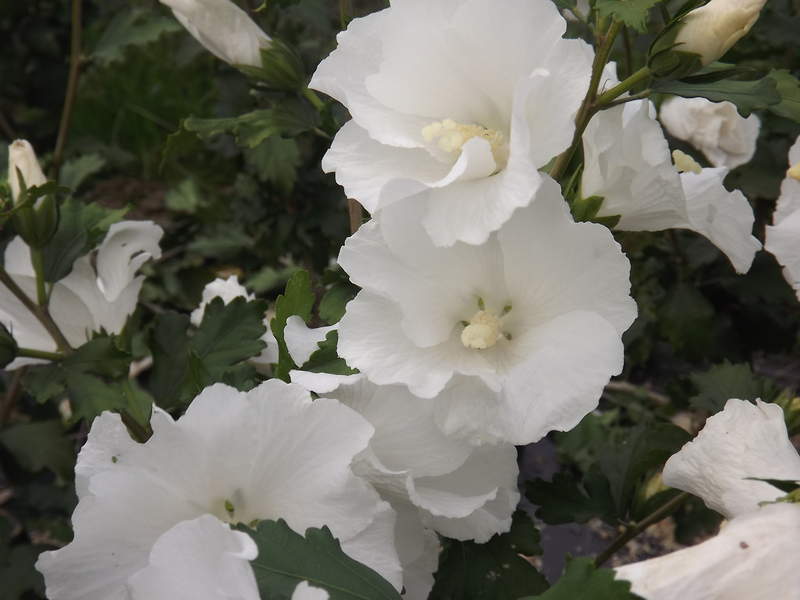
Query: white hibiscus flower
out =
(628, 163)
(149, 513)
(516, 314)
(223, 28)
(782, 238)
(754, 557)
(454, 105)
(743, 441)
(715, 128)
(434, 482)
(99, 294)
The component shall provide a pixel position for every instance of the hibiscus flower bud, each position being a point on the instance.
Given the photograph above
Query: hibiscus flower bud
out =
(22, 161)
(8, 347)
(711, 30)
(223, 28)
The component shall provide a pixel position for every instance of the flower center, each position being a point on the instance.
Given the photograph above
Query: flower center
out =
(450, 136)
(684, 162)
(794, 172)
(484, 329)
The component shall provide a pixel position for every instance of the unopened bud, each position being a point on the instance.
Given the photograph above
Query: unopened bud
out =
(22, 161)
(223, 28)
(711, 30)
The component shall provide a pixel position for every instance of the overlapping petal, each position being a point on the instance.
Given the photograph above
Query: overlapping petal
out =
(754, 557)
(783, 235)
(742, 442)
(267, 454)
(509, 98)
(540, 279)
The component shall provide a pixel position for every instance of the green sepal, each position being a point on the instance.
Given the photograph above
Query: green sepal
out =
(281, 68)
(35, 217)
(664, 60)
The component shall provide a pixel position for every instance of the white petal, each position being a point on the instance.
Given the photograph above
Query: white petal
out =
(365, 168)
(744, 440)
(343, 75)
(270, 354)
(374, 547)
(782, 237)
(202, 559)
(406, 438)
(303, 591)
(492, 518)
(545, 281)
(754, 557)
(418, 549)
(126, 247)
(628, 163)
(22, 158)
(544, 392)
(223, 28)
(715, 128)
(371, 339)
(303, 341)
(726, 218)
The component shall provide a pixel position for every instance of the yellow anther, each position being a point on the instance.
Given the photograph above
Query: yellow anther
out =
(684, 162)
(794, 172)
(450, 136)
(483, 331)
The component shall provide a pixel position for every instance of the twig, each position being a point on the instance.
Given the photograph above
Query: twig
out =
(631, 531)
(356, 214)
(72, 87)
(643, 94)
(629, 388)
(585, 112)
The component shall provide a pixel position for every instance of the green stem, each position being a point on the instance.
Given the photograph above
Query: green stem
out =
(37, 259)
(72, 87)
(585, 112)
(631, 531)
(31, 353)
(622, 87)
(41, 313)
(315, 100)
(643, 94)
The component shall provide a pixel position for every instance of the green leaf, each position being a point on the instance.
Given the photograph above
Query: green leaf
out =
(18, 573)
(44, 382)
(746, 95)
(131, 28)
(326, 359)
(251, 129)
(169, 344)
(789, 90)
(298, 299)
(721, 382)
(785, 485)
(77, 170)
(185, 197)
(92, 396)
(229, 333)
(275, 161)
(80, 228)
(332, 305)
(494, 570)
(286, 558)
(100, 356)
(40, 445)
(686, 319)
(632, 13)
(643, 449)
(565, 500)
(281, 67)
(583, 581)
